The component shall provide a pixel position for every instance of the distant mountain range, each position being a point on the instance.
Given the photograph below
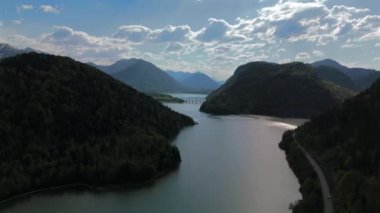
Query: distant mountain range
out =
(360, 77)
(118, 66)
(142, 75)
(179, 75)
(290, 90)
(197, 81)
(336, 76)
(146, 77)
(7, 50)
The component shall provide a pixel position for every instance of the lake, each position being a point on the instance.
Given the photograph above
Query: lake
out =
(229, 164)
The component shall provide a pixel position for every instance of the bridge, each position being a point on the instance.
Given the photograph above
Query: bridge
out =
(194, 100)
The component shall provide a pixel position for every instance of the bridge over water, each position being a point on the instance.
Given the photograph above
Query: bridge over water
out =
(194, 100)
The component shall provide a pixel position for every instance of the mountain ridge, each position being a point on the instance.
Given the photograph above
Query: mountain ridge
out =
(361, 77)
(142, 75)
(7, 50)
(288, 90)
(200, 82)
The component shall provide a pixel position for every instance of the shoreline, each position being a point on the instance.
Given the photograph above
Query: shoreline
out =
(85, 186)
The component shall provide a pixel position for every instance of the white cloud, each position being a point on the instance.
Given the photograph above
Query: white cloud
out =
(1, 23)
(174, 47)
(171, 34)
(76, 44)
(374, 35)
(138, 33)
(295, 21)
(367, 24)
(318, 53)
(49, 9)
(302, 56)
(349, 45)
(22, 7)
(18, 21)
(66, 36)
(135, 33)
(289, 28)
(217, 29)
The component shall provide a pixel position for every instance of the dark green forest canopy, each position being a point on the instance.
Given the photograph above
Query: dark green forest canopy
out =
(64, 122)
(289, 90)
(346, 142)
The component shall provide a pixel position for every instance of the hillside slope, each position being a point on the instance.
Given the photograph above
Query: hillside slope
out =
(117, 66)
(199, 82)
(345, 141)
(147, 77)
(65, 122)
(361, 77)
(290, 90)
(335, 76)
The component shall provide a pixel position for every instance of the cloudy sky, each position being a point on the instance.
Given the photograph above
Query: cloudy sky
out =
(214, 36)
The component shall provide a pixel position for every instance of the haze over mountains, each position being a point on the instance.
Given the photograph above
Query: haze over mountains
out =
(362, 78)
(196, 81)
(117, 66)
(148, 78)
(143, 76)
(7, 50)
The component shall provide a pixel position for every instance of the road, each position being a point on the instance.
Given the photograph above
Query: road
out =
(327, 202)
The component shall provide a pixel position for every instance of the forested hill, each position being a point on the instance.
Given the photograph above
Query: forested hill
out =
(65, 122)
(345, 141)
(291, 90)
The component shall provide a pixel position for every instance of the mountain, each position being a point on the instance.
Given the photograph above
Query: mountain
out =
(345, 142)
(117, 66)
(334, 75)
(330, 63)
(357, 74)
(64, 122)
(7, 50)
(146, 77)
(361, 77)
(221, 82)
(290, 90)
(142, 75)
(364, 78)
(200, 82)
(366, 81)
(195, 82)
(179, 75)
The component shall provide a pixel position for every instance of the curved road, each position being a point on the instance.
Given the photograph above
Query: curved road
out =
(327, 202)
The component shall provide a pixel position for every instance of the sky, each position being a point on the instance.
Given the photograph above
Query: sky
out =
(213, 36)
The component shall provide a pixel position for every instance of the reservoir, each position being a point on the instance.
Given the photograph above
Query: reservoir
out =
(229, 164)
